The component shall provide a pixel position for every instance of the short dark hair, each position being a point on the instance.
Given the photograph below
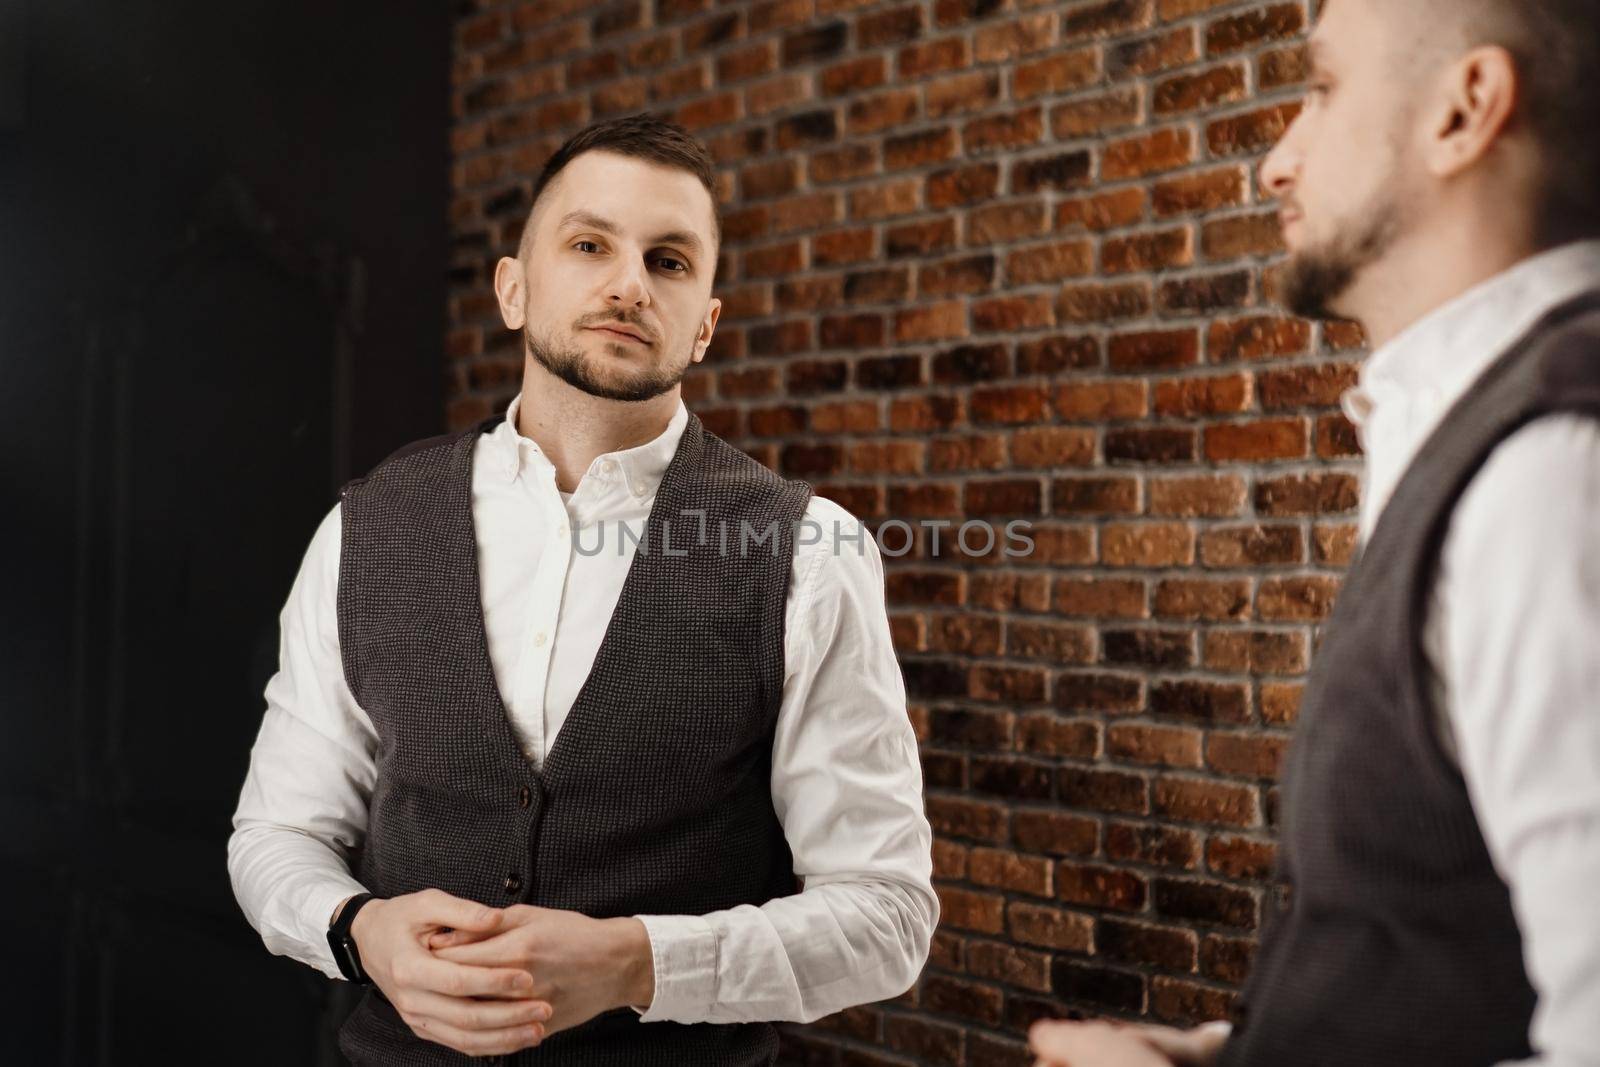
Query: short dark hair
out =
(1556, 47)
(643, 135)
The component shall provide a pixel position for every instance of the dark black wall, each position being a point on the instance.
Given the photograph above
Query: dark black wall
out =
(222, 249)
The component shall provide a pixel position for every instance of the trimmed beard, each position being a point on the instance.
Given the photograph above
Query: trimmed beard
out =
(1317, 277)
(573, 367)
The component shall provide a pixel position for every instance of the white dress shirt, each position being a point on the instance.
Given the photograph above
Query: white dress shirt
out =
(1512, 633)
(846, 777)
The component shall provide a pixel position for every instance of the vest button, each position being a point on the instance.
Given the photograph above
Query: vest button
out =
(525, 797)
(513, 883)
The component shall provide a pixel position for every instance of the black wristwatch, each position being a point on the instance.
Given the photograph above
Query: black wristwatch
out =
(344, 946)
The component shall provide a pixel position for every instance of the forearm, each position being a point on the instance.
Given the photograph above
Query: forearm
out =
(796, 958)
(289, 886)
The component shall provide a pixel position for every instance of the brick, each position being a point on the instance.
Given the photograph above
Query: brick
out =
(1158, 445)
(1265, 439)
(1141, 944)
(960, 997)
(1145, 647)
(1104, 986)
(1101, 401)
(1137, 157)
(1253, 27)
(1210, 702)
(1095, 116)
(1158, 250)
(1252, 546)
(1208, 190)
(1280, 703)
(1198, 599)
(1153, 349)
(965, 909)
(1009, 964)
(1103, 790)
(1302, 599)
(1114, 598)
(1257, 337)
(1150, 55)
(1256, 652)
(933, 57)
(1240, 857)
(1203, 496)
(1208, 902)
(1058, 72)
(1056, 642)
(1102, 211)
(971, 363)
(929, 1041)
(1188, 1003)
(1010, 405)
(1200, 293)
(1094, 303)
(1207, 88)
(1046, 734)
(1049, 263)
(1165, 746)
(1051, 355)
(1202, 801)
(1153, 845)
(1055, 832)
(967, 817)
(1094, 496)
(966, 634)
(1227, 394)
(1298, 387)
(1147, 545)
(1012, 871)
(1053, 447)
(1252, 131)
(1226, 959)
(1053, 928)
(1094, 886)
(1322, 493)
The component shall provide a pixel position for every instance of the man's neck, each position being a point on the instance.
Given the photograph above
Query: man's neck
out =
(572, 428)
(1419, 276)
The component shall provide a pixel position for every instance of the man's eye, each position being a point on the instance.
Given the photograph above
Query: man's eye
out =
(669, 259)
(580, 243)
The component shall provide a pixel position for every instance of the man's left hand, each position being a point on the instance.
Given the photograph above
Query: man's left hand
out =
(581, 966)
(1109, 1044)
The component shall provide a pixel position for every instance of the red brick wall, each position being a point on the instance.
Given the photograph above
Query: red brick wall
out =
(1002, 261)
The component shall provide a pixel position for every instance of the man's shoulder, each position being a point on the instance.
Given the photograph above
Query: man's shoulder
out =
(421, 454)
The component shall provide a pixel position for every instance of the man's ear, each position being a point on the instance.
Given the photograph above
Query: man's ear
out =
(509, 288)
(1480, 93)
(707, 328)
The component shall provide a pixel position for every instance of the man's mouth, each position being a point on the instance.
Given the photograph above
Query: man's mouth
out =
(620, 335)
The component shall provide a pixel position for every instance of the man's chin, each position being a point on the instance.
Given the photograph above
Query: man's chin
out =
(1311, 285)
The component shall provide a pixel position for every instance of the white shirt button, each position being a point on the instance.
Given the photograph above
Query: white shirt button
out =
(540, 638)
(561, 531)
(640, 490)
(607, 467)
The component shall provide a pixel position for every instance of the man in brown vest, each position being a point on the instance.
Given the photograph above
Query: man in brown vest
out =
(588, 744)
(1441, 819)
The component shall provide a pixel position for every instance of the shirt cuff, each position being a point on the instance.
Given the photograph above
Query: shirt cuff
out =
(683, 951)
(318, 917)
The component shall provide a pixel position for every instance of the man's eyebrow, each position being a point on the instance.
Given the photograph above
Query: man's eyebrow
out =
(597, 222)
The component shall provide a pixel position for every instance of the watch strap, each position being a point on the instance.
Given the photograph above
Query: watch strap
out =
(345, 953)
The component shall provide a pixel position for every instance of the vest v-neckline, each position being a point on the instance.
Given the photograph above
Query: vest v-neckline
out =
(548, 770)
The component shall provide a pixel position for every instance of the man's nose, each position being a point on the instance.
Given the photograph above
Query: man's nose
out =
(628, 284)
(1278, 169)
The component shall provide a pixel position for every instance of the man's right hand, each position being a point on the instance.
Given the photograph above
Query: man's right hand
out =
(476, 1010)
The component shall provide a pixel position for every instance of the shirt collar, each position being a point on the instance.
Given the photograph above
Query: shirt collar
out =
(1438, 357)
(640, 468)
